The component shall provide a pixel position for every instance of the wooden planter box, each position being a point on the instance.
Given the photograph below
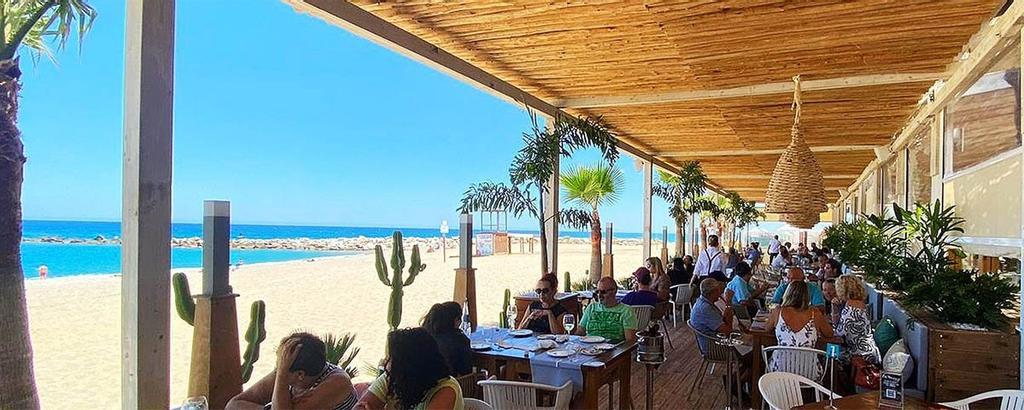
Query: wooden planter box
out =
(952, 364)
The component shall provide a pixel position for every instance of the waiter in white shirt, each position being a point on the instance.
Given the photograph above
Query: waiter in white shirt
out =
(710, 259)
(773, 248)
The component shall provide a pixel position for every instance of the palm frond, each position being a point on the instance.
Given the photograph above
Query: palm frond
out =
(32, 22)
(592, 186)
(489, 196)
(341, 353)
(574, 218)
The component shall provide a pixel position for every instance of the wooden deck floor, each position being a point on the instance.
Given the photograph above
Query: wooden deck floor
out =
(675, 376)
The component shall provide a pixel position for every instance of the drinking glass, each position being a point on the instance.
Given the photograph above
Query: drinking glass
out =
(510, 313)
(195, 403)
(569, 322)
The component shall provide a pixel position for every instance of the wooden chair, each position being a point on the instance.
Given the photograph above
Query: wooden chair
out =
(659, 313)
(469, 385)
(1008, 400)
(782, 391)
(506, 395)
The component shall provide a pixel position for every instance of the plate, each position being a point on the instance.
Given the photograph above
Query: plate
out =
(562, 338)
(590, 351)
(559, 353)
(545, 337)
(604, 346)
(480, 346)
(593, 339)
(520, 332)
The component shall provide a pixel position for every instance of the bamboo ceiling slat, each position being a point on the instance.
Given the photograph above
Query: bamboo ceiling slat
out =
(557, 50)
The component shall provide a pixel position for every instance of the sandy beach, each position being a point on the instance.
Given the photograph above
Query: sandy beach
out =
(75, 321)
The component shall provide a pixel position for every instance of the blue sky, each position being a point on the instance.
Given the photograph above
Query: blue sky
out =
(293, 120)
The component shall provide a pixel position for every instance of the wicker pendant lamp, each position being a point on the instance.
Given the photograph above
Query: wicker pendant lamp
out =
(801, 221)
(796, 186)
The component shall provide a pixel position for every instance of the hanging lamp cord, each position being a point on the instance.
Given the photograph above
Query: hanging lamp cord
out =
(796, 99)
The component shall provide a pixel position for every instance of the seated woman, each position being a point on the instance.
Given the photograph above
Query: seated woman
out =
(415, 376)
(854, 324)
(442, 322)
(797, 324)
(660, 282)
(545, 315)
(303, 380)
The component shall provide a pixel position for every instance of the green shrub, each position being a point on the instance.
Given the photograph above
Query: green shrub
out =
(339, 353)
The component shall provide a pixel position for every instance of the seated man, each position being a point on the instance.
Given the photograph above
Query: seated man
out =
(709, 320)
(643, 295)
(303, 379)
(739, 291)
(608, 318)
(796, 275)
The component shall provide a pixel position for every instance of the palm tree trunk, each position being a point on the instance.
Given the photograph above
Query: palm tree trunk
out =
(543, 237)
(703, 235)
(17, 381)
(595, 246)
(680, 237)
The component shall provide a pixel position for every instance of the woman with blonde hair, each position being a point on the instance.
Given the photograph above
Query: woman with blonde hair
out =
(661, 282)
(854, 324)
(796, 324)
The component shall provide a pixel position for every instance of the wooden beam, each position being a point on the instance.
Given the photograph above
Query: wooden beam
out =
(364, 24)
(994, 37)
(762, 176)
(748, 91)
(648, 194)
(734, 153)
(146, 205)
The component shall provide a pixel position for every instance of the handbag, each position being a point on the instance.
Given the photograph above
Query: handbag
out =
(865, 375)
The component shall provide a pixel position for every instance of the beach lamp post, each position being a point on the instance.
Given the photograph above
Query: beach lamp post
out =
(215, 372)
(465, 274)
(606, 264)
(444, 234)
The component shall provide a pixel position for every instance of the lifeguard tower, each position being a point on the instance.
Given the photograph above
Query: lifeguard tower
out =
(493, 235)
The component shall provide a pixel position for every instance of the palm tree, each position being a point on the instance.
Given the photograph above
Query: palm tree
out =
(683, 193)
(29, 23)
(534, 165)
(593, 187)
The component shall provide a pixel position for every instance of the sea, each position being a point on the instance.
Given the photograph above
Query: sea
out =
(69, 259)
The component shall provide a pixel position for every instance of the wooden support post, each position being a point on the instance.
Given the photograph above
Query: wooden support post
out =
(465, 274)
(664, 245)
(648, 191)
(215, 372)
(1021, 210)
(608, 262)
(146, 205)
(551, 211)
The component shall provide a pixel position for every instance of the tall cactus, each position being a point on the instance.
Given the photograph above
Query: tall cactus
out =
(503, 320)
(183, 302)
(254, 335)
(566, 283)
(396, 283)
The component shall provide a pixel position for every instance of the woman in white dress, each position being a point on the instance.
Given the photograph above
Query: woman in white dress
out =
(797, 324)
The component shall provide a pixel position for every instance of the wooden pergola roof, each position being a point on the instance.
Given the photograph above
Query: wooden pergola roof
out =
(697, 80)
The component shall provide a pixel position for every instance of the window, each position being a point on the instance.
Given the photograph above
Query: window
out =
(984, 121)
(891, 183)
(919, 166)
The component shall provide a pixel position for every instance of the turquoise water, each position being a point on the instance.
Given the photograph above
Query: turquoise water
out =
(77, 259)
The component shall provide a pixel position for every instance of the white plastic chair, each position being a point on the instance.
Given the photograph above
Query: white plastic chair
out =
(475, 404)
(1009, 400)
(681, 301)
(643, 315)
(804, 361)
(506, 395)
(782, 391)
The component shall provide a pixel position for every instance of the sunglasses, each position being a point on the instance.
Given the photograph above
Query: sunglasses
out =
(541, 291)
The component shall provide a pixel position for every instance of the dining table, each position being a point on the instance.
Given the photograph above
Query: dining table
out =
(871, 400)
(521, 359)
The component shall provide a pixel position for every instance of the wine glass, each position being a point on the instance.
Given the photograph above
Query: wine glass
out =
(510, 314)
(569, 322)
(195, 403)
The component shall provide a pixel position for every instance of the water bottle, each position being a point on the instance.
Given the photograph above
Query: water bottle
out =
(466, 327)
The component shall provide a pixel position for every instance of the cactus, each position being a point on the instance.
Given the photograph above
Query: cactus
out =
(503, 321)
(396, 283)
(566, 282)
(254, 335)
(183, 302)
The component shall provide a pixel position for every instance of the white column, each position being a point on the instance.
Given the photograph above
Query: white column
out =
(146, 207)
(551, 210)
(648, 188)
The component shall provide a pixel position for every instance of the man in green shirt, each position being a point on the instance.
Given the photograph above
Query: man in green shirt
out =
(608, 318)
